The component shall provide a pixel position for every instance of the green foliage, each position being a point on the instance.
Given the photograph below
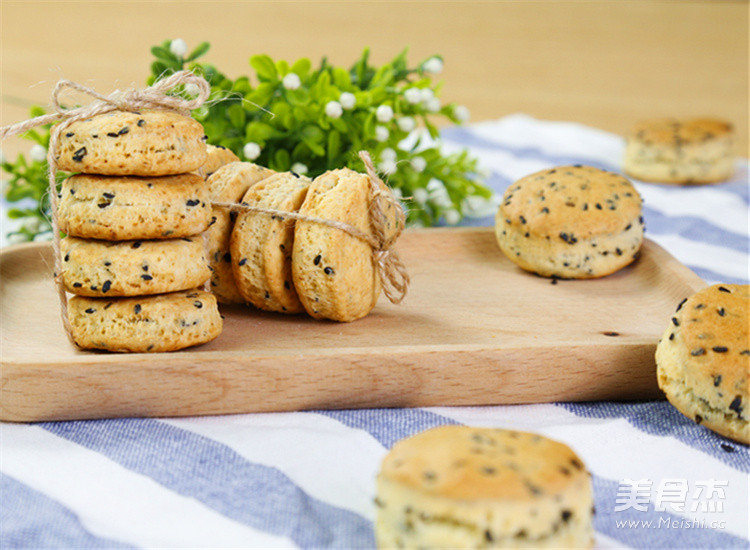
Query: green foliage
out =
(299, 120)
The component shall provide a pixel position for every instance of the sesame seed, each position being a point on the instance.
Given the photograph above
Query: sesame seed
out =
(198, 304)
(243, 261)
(328, 271)
(698, 351)
(317, 259)
(90, 310)
(720, 349)
(106, 286)
(146, 277)
(137, 309)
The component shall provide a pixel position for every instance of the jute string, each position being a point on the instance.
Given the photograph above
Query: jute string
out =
(392, 272)
(132, 100)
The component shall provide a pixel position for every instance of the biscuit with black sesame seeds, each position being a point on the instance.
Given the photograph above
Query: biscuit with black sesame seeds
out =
(261, 244)
(119, 208)
(464, 487)
(676, 151)
(333, 271)
(571, 222)
(228, 184)
(147, 143)
(162, 322)
(132, 268)
(703, 359)
(217, 156)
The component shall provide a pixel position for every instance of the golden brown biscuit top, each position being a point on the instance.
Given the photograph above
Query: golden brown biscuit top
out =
(462, 462)
(231, 181)
(571, 202)
(670, 131)
(714, 327)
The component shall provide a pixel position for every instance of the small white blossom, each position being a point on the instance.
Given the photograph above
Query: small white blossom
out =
(38, 153)
(433, 65)
(45, 236)
(251, 151)
(461, 113)
(299, 168)
(348, 100)
(413, 95)
(178, 47)
(291, 81)
(426, 94)
(406, 123)
(388, 154)
(420, 195)
(452, 217)
(191, 89)
(384, 113)
(334, 109)
(381, 133)
(387, 167)
(16, 238)
(433, 105)
(479, 207)
(397, 192)
(418, 164)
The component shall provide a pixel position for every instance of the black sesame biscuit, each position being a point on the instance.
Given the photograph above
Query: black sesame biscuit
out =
(463, 487)
(217, 156)
(574, 222)
(163, 322)
(149, 143)
(228, 184)
(680, 151)
(332, 270)
(132, 268)
(261, 244)
(130, 207)
(703, 360)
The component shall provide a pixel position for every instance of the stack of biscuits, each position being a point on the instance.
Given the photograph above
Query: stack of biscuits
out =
(265, 259)
(134, 215)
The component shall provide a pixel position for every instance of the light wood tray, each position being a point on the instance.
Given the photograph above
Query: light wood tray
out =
(473, 330)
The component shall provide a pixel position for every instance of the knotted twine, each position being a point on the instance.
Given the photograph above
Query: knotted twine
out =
(132, 100)
(392, 272)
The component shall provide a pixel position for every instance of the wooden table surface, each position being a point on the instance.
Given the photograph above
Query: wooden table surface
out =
(605, 64)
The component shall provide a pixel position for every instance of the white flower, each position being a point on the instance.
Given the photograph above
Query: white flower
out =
(433, 65)
(178, 47)
(406, 123)
(426, 94)
(387, 167)
(347, 100)
(388, 154)
(16, 238)
(291, 81)
(397, 192)
(334, 109)
(46, 236)
(438, 193)
(384, 113)
(251, 150)
(299, 168)
(461, 113)
(452, 217)
(479, 207)
(192, 89)
(413, 95)
(418, 164)
(381, 133)
(432, 105)
(420, 195)
(38, 153)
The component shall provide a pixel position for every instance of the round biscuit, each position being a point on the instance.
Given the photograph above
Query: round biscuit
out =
(228, 184)
(703, 359)
(132, 268)
(464, 487)
(119, 208)
(571, 222)
(216, 157)
(163, 322)
(148, 143)
(262, 244)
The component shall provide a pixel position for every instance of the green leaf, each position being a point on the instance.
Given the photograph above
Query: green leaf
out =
(333, 149)
(163, 54)
(302, 67)
(281, 161)
(259, 132)
(236, 115)
(199, 51)
(264, 67)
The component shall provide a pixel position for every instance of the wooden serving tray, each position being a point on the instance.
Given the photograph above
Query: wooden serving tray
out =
(473, 330)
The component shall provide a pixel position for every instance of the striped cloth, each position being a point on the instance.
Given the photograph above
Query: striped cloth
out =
(307, 479)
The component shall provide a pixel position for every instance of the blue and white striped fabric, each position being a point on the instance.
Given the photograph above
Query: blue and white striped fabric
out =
(307, 479)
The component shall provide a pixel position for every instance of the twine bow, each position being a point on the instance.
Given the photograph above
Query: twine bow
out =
(133, 100)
